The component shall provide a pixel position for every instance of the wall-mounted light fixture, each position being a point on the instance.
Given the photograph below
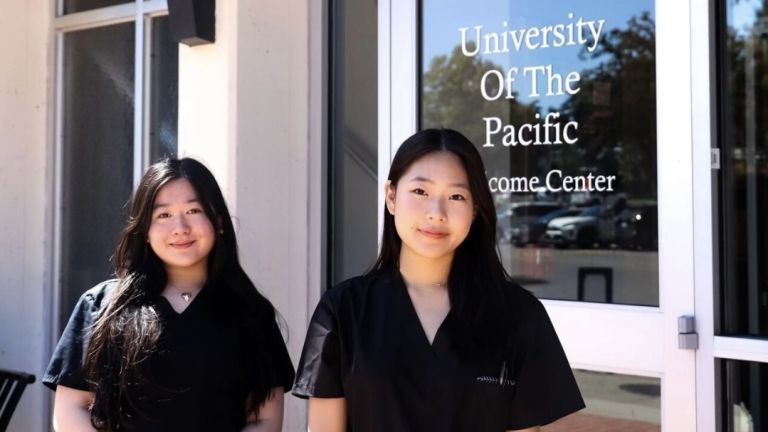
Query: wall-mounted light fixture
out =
(192, 22)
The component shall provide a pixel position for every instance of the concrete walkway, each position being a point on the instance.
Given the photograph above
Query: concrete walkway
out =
(582, 422)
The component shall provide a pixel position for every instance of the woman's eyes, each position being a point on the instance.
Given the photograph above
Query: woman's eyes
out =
(455, 197)
(165, 215)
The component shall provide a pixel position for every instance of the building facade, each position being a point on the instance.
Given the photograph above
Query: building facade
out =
(623, 142)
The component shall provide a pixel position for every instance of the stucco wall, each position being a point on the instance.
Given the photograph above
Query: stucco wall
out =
(272, 162)
(25, 176)
(244, 108)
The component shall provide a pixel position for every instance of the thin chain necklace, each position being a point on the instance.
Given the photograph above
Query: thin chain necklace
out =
(187, 296)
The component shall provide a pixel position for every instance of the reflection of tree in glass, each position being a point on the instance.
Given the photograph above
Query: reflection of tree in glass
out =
(451, 98)
(616, 110)
(746, 105)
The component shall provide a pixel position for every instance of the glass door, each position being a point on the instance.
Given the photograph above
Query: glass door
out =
(582, 113)
(741, 328)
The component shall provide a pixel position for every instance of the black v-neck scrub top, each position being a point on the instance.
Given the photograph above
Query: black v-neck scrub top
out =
(197, 371)
(365, 343)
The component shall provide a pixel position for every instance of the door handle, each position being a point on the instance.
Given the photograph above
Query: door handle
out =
(687, 338)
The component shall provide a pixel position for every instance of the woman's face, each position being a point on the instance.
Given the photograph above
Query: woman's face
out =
(432, 206)
(180, 233)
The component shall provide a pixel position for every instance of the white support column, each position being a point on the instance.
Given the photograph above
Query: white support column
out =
(244, 108)
(273, 164)
(676, 204)
(702, 47)
(207, 98)
(26, 176)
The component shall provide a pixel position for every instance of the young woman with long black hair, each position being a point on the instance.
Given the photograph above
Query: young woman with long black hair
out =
(181, 340)
(436, 337)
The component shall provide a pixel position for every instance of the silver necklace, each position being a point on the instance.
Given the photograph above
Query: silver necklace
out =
(187, 296)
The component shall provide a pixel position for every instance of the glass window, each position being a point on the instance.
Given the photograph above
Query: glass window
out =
(164, 91)
(745, 399)
(615, 402)
(560, 99)
(744, 167)
(353, 138)
(97, 154)
(98, 143)
(72, 6)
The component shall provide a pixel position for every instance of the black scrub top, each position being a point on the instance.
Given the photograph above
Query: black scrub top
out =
(365, 343)
(196, 372)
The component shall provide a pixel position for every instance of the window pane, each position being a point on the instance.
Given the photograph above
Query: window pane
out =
(72, 6)
(744, 174)
(353, 155)
(614, 402)
(164, 92)
(745, 398)
(560, 99)
(97, 154)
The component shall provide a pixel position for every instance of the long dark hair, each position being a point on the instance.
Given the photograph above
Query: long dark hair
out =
(477, 281)
(127, 332)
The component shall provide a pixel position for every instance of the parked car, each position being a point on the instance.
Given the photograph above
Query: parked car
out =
(637, 227)
(532, 231)
(515, 214)
(580, 229)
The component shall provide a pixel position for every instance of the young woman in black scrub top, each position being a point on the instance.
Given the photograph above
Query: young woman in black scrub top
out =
(436, 337)
(181, 341)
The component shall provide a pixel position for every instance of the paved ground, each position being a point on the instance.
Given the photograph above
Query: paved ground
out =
(580, 422)
(615, 403)
(553, 273)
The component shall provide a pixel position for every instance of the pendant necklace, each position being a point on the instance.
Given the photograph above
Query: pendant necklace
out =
(186, 296)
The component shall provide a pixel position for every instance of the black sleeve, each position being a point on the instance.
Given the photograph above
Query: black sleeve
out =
(66, 366)
(319, 371)
(545, 387)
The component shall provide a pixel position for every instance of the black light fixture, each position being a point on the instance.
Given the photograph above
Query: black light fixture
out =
(192, 22)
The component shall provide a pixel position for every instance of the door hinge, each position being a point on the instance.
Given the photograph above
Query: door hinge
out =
(715, 159)
(687, 338)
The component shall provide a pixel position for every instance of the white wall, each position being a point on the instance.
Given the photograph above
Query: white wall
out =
(244, 108)
(272, 162)
(25, 176)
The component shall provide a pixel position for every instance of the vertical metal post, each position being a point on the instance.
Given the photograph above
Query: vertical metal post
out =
(138, 95)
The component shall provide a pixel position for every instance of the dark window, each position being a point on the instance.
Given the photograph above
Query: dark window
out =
(97, 154)
(743, 60)
(742, 297)
(72, 6)
(164, 91)
(744, 404)
(98, 143)
(353, 138)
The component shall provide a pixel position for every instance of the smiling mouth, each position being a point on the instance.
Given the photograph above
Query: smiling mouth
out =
(182, 245)
(434, 234)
